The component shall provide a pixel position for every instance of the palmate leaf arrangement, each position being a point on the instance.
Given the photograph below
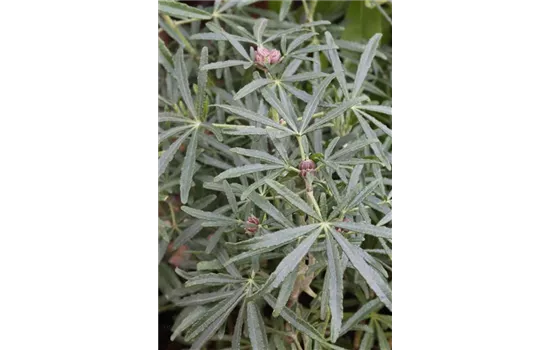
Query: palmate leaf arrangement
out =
(274, 180)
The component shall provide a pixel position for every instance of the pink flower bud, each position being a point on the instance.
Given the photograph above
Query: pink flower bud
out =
(179, 256)
(266, 56)
(251, 225)
(306, 166)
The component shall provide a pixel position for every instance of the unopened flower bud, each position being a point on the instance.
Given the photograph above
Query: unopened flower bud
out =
(179, 256)
(266, 56)
(306, 166)
(251, 225)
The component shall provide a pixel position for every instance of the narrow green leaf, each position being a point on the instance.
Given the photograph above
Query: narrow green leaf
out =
(284, 292)
(272, 99)
(256, 327)
(368, 341)
(214, 239)
(275, 239)
(188, 168)
(257, 154)
(385, 219)
(254, 117)
(181, 76)
(363, 227)
(213, 279)
(173, 131)
(212, 320)
(292, 198)
(187, 321)
(165, 57)
(310, 49)
(181, 10)
(382, 340)
(377, 108)
(234, 42)
(335, 288)
(285, 7)
(323, 204)
(361, 314)
(251, 87)
(300, 324)
(168, 155)
(202, 77)
(369, 133)
(299, 41)
(336, 112)
(314, 102)
(244, 170)
(223, 64)
(204, 215)
(324, 298)
(269, 209)
(363, 194)
(376, 122)
(259, 28)
(350, 148)
(374, 280)
(204, 298)
(230, 197)
(238, 331)
(289, 263)
(295, 29)
(365, 62)
(336, 64)
(331, 147)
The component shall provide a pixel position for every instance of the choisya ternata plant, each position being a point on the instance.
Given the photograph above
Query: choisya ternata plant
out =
(274, 181)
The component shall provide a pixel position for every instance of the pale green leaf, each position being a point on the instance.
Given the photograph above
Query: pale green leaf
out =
(292, 198)
(285, 7)
(230, 197)
(251, 87)
(181, 76)
(210, 216)
(269, 209)
(213, 279)
(336, 64)
(336, 112)
(254, 117)
(365, 63)
(374, 280)
(256, 327)
(238, 330)
(168, 155)
(335, 288)
(188, 168)
(314, 102)
(204, 298)
(257, 154)
(275, 239)
(284, 292)
(224, 64)
(245, 169)
(363, 227)
(299, 41)
(181, 10)
(361, 314)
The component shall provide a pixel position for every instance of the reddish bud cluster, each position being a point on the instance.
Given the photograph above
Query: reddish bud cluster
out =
(306, 166)
(251, 225)
(179, 256)
(266, 56)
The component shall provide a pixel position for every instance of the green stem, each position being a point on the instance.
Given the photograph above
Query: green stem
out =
(302, 152)
(312, 10)
(174, 27)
